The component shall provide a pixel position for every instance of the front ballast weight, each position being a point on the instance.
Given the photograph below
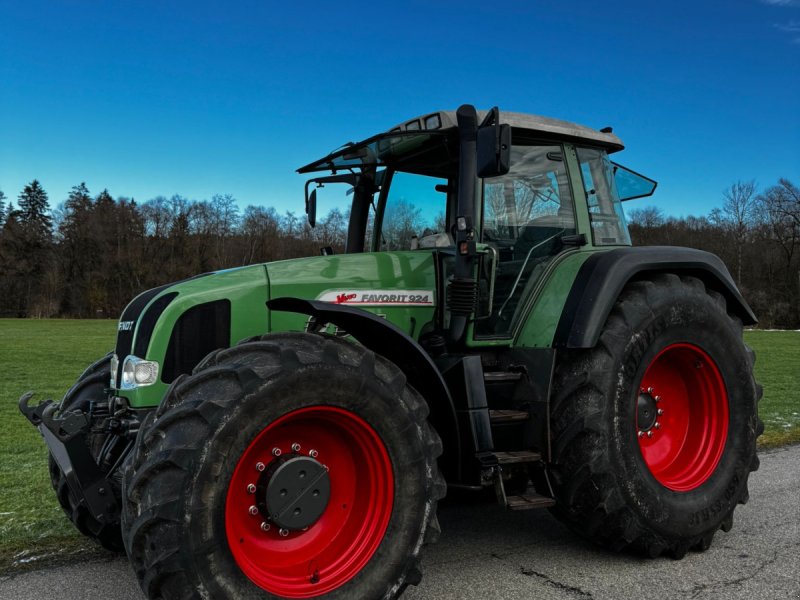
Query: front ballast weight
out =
(66, 437)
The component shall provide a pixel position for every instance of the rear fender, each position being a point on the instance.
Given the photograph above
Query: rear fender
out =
(602, 277)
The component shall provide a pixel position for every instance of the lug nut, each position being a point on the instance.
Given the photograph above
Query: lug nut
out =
(260, 466)
(295, 447)
(657, 398)
(265, 526)
(253, 510)
(284, 532)
(657, 425)
(641, 434)
(660, 411)
(276, 452)
(313, 453)
(650, 390)
(649, 434)
(251, 488)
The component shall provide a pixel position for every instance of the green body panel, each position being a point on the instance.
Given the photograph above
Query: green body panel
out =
(249, 288)
(331, 276)
(539, 327)
(245, 287)
(542, 311)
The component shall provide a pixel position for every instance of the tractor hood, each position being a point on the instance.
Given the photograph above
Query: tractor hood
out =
(400, 286)
(174, 326)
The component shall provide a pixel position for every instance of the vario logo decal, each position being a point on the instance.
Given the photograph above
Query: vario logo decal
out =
(379, 297)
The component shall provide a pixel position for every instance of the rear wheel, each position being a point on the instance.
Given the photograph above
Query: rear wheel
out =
(295, 466)
(654, 429)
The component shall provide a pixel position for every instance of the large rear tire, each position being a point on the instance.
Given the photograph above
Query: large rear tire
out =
(654, 429)
(202, 507)
(89, 387)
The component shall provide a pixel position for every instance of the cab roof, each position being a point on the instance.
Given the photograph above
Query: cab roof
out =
(441, 125)
(550, 127)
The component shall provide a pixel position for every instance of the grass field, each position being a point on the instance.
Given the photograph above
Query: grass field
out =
(46, 356)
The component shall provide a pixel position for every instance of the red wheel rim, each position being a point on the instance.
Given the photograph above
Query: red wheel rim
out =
(307, 563)
(684, 441)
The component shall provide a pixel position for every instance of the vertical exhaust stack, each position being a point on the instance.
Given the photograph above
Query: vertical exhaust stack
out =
(462, 289)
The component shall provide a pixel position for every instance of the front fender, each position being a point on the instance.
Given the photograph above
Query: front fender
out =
(386, 339)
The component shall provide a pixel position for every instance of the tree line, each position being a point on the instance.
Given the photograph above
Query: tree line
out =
(93, 253)
(90, 256)
(757, 235)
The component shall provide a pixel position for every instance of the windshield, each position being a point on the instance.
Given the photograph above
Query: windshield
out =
(386, 149)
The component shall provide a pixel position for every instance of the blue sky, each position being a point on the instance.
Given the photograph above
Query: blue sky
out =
(197, 98)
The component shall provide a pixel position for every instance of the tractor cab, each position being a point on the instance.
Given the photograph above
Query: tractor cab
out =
(538, 188)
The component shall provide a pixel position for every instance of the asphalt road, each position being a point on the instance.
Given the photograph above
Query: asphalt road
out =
(486, 552)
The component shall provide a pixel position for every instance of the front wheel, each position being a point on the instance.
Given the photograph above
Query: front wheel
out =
(295, 466)
(654, 429)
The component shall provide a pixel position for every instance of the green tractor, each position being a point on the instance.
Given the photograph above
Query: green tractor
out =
(285, 430)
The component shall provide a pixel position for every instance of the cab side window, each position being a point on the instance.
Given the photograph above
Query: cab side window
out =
(414, 211)
(605, 209)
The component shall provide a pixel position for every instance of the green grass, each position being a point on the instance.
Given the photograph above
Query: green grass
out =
(778, 370)
(47, 356)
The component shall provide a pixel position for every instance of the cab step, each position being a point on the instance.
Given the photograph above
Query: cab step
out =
(529, 501)
(501, 376)
(517, 457)
(531, 498)
(498, 417)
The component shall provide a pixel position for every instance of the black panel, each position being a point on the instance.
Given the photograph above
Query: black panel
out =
(127, 324)
(148, 323)
(602, 277)
(200, 330)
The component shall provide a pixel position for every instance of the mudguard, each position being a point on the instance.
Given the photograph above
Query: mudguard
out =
(603, 275)
(385, 338)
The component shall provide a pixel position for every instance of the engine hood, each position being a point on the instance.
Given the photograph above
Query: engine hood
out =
(400, 286)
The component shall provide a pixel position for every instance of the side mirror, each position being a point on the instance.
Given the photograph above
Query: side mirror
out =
(494, 150)
(311, 208)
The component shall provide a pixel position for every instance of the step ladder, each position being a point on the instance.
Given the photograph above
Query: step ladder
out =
(530, 499)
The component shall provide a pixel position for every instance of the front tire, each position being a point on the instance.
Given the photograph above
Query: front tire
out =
(199, 501)
(655, 428)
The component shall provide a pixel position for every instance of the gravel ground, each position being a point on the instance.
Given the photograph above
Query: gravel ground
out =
(486, 552)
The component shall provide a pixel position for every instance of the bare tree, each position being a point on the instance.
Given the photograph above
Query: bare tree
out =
(779, 209)
(648, 217)
(737, 216)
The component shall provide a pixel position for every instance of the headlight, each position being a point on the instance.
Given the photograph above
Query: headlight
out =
(138, 373)
(114, 368)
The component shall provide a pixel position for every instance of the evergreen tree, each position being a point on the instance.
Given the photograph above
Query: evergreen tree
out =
(33, 213)
(104, 198)
(2, 209)
(30, 253)
(79, 198)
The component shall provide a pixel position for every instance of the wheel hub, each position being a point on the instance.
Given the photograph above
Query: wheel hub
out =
(294, 491)
(646, 411)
